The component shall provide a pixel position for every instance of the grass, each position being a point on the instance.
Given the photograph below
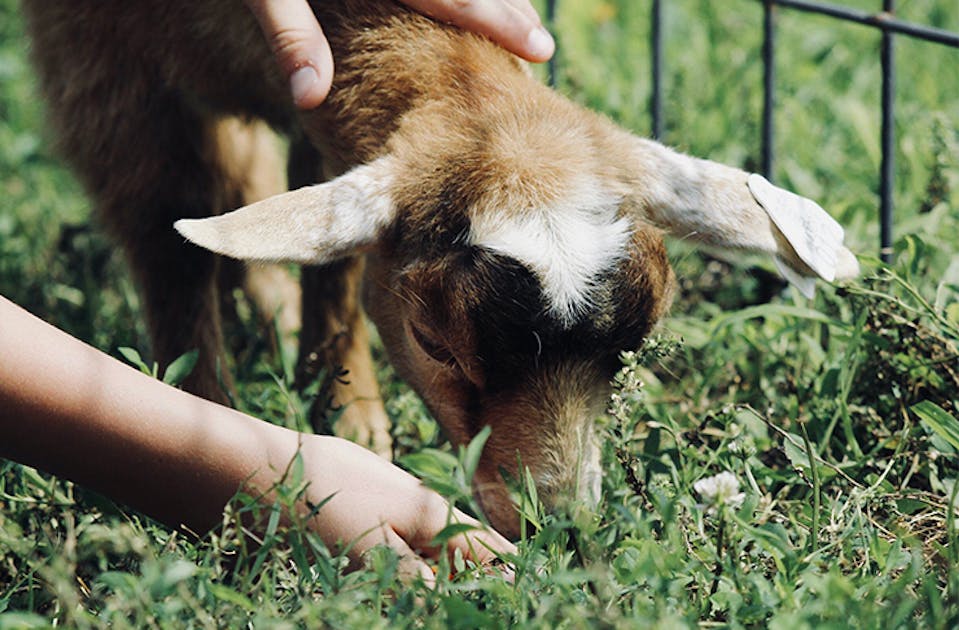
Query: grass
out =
(838, 415)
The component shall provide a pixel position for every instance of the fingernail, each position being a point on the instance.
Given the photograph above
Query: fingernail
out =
(302, 83)
(540, 43)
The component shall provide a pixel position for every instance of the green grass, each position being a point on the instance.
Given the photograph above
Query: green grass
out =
(838, 415)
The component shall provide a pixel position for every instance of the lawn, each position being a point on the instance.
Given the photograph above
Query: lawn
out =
(838, 417)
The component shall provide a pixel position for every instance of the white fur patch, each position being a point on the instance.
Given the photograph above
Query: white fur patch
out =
(566, 245)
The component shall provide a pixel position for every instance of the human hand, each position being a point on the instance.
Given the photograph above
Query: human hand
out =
(303, 53)
(376, 503)
(72, 410)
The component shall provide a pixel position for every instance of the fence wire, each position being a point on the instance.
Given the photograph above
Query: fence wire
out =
(884, 20)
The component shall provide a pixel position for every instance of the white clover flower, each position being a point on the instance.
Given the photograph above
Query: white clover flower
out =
(742, 447)
(721, 489)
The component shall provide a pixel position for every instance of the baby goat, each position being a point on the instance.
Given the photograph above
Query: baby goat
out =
(512, 240)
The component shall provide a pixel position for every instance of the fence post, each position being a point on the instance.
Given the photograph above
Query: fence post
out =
(769, 88)
(656, 50)
(551, 24)
(888, 168)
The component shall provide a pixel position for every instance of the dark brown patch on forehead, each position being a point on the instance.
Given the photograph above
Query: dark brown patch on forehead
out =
(493, 308)
(435, 220)
(443, 174)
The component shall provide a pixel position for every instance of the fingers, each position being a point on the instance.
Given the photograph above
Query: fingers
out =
(367, 501)
(300, 48)
(484, 547)
(526, 8)
(480, 545)
(513, 24)
(304, 55)
(410, 563)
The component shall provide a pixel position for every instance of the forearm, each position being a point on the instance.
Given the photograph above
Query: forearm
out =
(74, 411)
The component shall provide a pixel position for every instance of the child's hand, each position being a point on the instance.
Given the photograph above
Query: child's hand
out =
(304, 54)
(375, 503)
(74, 411)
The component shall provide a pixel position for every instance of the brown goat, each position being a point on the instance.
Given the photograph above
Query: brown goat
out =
(512, 240)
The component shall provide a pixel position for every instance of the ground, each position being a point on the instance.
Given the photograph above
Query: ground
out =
(837, 416)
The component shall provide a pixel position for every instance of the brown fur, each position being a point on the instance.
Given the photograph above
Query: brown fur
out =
(144, 97)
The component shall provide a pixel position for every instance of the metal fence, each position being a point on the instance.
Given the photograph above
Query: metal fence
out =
(884, 20)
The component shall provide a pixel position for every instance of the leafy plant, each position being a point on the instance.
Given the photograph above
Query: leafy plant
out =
(836, 417)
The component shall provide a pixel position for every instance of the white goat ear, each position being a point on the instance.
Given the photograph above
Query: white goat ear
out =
(729, 208)
(311, 225)
(815, 237)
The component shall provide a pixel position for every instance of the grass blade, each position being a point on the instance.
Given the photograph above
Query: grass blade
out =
(939, 420)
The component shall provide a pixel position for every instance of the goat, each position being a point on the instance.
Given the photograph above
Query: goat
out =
(509, 241)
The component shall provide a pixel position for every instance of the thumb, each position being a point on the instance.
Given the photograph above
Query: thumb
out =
(300, 48)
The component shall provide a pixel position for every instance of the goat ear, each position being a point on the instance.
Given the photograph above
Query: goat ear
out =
(729, 208)
(311, 225)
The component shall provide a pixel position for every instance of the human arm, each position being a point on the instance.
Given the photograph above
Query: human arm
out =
(302, 52)
(67, 408)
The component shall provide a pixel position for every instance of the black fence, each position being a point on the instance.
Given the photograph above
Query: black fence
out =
(884, 20)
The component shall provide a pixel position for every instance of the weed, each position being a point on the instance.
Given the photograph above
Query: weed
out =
(836, 419)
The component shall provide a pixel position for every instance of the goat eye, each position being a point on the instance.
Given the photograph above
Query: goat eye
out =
(432, 347)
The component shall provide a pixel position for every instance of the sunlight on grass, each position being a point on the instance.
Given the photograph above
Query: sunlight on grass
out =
(837, 418)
